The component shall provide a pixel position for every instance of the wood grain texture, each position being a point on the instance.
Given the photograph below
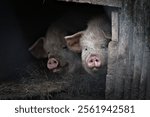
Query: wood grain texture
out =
(112, 57)
(113, 3)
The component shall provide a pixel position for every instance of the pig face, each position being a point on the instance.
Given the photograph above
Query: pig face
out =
(93, 46)
(53, 47)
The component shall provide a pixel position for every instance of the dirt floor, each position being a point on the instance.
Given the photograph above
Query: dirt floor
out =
(36, 82)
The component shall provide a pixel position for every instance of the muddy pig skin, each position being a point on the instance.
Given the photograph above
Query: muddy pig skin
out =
(53, 45)
(92, 43)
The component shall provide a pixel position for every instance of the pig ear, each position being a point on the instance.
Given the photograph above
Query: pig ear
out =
(106, 35)
(37, 49)
(73, 41)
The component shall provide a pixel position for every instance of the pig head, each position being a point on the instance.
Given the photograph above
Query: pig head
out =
(53, 47)
(92, 43)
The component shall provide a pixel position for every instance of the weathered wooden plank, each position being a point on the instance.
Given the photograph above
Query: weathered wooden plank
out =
(115, 26)
(130, 55)
(145, 76)
(147, 96)
(113, 3)
(112, 64)
(122, 81)
(112, 55)
(138, 40)
(109, 91)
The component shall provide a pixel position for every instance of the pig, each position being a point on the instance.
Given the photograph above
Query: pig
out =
(92, 43)
(53, 47)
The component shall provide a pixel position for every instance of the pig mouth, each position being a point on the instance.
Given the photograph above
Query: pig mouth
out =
(55, 70)
(95, 69)
(60, 68)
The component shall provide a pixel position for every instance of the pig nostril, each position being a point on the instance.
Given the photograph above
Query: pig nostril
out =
(91, 61)
(49, 62)
(55, 62)
(97, 60)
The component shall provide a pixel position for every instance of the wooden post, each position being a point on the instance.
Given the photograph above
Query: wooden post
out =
(112, 57)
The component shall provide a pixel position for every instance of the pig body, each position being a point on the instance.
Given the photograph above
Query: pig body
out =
(92, 43)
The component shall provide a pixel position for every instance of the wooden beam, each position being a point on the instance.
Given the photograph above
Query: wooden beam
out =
(112, 3)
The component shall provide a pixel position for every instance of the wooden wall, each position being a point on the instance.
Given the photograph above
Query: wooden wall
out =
(129, 74)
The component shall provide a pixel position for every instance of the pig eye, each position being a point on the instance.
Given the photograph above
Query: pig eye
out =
(64, 47)
(86, 49)
(48, 52)
(103, 46)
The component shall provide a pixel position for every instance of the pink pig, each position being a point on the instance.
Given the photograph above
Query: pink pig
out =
(92, 43)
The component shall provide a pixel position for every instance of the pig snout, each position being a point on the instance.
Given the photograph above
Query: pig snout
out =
(93, 61)
(52, 63)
